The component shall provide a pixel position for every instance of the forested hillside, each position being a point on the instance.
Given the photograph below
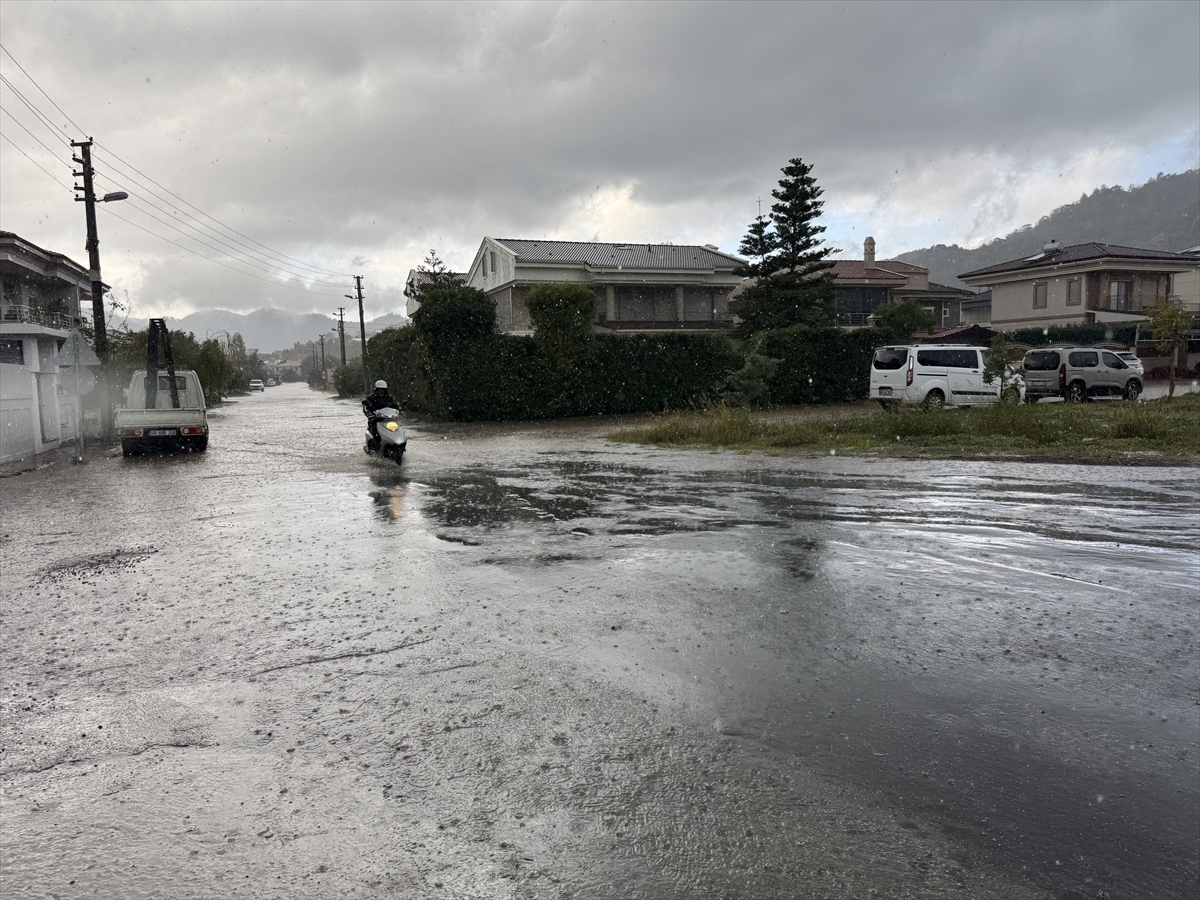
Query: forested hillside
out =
(1162, 214)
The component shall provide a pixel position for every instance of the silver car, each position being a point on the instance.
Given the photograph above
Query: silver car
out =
(1134, 362)
(1093, 372)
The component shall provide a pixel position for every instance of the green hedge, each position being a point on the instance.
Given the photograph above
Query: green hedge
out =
(825, 366)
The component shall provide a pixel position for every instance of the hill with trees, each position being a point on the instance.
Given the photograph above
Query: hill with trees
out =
(1162, 214)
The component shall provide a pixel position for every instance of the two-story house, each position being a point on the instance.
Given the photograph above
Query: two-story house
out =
(638, 287)
(1082, 284)
(40, 293)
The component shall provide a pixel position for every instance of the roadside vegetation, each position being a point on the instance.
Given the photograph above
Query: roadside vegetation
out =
(1115, 431)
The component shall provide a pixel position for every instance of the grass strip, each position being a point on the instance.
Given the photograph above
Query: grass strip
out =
(1152, 432)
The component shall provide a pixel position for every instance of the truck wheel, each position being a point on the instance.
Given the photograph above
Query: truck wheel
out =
(1133, 389)
(1076, 392)
(935, 399)
(131, 447)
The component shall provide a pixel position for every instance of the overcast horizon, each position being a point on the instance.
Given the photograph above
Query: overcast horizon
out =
(351, 138)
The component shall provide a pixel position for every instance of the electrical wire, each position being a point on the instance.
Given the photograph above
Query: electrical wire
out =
(232, 251)
(35, 162)
(281, 268)
(217, 261)
(114, 158)
(58, 133)
(39, 87)
(17, 122)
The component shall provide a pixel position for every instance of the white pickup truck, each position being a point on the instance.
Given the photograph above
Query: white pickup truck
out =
(161, 424)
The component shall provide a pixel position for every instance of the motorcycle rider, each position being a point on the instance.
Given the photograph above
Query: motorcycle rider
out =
(375, 401)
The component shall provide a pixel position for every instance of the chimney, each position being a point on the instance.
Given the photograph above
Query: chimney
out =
(869, 253)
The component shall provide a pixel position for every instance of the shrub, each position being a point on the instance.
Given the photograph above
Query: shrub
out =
(819, 366)
(562, 316)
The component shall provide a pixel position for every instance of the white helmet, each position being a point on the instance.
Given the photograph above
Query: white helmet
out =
(381, 384)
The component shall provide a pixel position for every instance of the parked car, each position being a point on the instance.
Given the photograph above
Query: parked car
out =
(256, 385)
(1133, 360)
(1092, 372)
(936, 375)
(1046, 373)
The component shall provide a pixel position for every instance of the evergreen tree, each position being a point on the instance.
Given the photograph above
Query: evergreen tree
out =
(794, 283)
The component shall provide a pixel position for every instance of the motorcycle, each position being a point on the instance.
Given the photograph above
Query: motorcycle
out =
(389, 439)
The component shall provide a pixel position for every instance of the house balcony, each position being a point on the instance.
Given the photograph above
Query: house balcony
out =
(26, 314)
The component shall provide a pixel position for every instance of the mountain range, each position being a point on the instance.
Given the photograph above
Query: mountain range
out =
(269, 329)
(1162, 214)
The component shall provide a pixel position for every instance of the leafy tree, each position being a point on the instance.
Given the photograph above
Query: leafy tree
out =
(898, 322)
(794, 284)
(562, 317)
(432, 272)
(996, 365)
(1170, 324)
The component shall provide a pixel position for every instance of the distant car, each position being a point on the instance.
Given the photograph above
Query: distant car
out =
(1132, 360)
(257, 385)
(271, 382)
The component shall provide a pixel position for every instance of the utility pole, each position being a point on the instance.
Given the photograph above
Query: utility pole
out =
(362, 330)
(322, 360)
(93, 243)
(93, 248)
(342, 332)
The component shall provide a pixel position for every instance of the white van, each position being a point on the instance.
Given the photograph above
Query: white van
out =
(933, 375)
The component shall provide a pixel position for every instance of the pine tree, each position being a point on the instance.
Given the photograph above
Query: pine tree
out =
(794, 283)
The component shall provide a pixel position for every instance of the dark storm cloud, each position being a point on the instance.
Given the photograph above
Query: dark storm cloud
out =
(380, 130)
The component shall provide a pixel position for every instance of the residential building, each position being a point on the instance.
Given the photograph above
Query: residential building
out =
(1084, 284)
(40, 303)
(638, 287)
(862, 286)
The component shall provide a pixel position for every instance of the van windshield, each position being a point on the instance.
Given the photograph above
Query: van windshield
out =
(890, 358)
(1041, 361)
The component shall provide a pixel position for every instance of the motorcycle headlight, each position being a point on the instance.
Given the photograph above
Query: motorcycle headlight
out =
(392, 426)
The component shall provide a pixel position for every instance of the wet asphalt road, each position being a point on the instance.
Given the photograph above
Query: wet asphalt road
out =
(531, 663)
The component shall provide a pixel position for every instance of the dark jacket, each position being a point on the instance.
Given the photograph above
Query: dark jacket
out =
(374, 402)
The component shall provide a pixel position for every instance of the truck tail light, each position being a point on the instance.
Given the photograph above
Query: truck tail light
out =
(131, 432)
(908, 375)
(1062, 374)
(191, 430)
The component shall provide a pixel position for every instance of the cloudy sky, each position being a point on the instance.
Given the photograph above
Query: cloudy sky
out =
(343, 138)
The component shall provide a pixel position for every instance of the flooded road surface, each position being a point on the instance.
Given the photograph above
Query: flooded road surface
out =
(531, 663)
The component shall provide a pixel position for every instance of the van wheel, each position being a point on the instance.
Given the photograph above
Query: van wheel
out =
(935, 399)
(1133, 390)
(1032, 398)
(1076, 392)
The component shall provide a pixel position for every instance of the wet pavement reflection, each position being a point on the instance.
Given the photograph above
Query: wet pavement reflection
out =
(532, 663)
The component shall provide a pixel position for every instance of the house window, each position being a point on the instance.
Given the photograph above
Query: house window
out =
(1119, 293)
(12, 352)
(1039, 295)
(1074, 292)
(492, 253)
(483, 265)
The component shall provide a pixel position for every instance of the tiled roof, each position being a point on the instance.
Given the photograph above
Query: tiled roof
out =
(627, 256)
(889, 271)
(1077, 253)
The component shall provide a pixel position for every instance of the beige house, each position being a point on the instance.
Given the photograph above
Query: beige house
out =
(40, 294)
(638, 287)
(1082, 284)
